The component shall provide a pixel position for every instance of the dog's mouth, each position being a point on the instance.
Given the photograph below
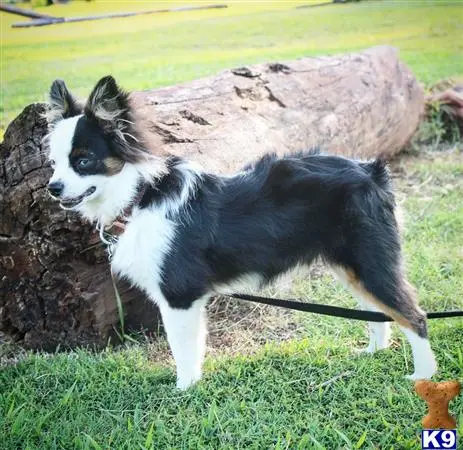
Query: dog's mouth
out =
(72, 202)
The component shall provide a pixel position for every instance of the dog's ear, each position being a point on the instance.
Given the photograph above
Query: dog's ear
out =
(62, 103)
(108, 105)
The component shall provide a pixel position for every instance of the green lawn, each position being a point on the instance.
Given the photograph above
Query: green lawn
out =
(154, 50)
(310, 392)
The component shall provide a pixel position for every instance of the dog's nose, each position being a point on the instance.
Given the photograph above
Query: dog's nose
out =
(55, 188)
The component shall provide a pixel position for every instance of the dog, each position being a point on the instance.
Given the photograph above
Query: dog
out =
(189, 235)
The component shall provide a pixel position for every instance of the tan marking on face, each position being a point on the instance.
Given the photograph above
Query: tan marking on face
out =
(113, 165)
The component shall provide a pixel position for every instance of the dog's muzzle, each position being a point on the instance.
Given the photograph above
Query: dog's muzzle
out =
(72, 202)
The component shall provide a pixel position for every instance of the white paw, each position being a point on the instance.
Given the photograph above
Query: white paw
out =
(186, 382)
(424, 373)
(365, 351)
(372, 348)
(418, 376)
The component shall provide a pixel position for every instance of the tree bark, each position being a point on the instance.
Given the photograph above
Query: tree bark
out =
(54, 277)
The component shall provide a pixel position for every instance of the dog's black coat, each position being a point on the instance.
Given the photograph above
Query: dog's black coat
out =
(169, 186)
(278, 213)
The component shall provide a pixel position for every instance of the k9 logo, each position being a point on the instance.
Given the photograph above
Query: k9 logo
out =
(439, 439)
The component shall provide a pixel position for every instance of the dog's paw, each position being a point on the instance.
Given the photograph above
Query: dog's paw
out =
(185, 383)
(364, 351)
(373, 347)
(424, 373)
(417, 376)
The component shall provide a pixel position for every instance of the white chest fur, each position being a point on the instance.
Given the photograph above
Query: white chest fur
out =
(140, 251)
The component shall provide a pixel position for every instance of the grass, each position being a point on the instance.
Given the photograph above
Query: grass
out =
(154, 50)
(307, 393)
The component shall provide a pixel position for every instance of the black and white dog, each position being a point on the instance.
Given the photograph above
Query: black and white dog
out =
(189, 234)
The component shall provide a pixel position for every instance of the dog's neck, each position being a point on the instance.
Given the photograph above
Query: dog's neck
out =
(121, 195)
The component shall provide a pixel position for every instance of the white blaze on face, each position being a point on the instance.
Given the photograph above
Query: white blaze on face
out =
(60, 148)
(61, 139)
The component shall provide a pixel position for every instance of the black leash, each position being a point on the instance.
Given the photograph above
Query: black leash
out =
(335, 311)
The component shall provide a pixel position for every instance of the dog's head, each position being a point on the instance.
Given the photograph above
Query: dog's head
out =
(90, 145)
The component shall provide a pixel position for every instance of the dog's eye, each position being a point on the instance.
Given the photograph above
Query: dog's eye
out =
(83, 162)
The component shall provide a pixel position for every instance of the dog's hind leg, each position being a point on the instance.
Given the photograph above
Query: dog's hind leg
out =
(186, 332)
(379, 332)
(394, 296)
(416, 332)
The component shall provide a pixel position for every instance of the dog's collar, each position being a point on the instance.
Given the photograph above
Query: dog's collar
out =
(109, 233)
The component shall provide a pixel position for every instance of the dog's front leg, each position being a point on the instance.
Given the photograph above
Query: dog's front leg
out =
(186, 332)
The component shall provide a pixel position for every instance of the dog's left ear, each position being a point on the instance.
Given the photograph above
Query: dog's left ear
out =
(108, 105)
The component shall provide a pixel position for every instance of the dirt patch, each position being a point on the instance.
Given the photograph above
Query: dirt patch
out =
(238, 327)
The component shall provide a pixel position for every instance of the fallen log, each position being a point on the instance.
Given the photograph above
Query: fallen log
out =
(54, 278)
(42, 21)
(23, 12)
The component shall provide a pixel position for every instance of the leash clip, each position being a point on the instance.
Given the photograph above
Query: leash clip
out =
(107, 238)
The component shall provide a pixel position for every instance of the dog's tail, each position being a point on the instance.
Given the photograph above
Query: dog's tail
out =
(379, 172)
(383, 190)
